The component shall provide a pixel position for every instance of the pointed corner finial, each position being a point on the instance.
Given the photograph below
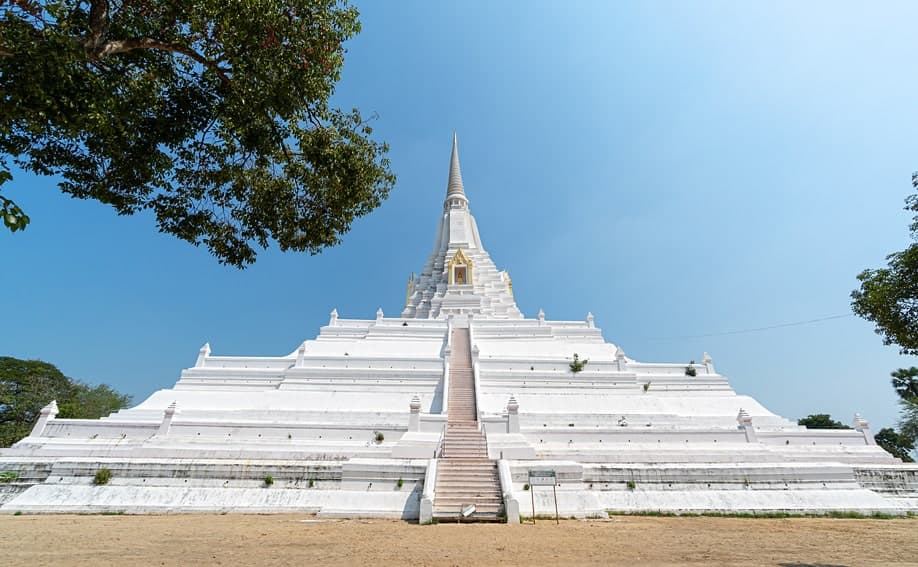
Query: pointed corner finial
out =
(51, 408)
(454, 187)
(203, 354)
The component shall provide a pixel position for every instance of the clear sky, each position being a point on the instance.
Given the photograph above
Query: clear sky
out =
(677, 168)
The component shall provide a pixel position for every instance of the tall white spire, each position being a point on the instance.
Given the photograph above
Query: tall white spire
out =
(454, 187)
(459, 278)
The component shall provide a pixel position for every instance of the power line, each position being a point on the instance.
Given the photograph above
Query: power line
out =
(754, 330)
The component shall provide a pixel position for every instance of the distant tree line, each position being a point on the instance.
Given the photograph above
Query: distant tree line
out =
(26, 386)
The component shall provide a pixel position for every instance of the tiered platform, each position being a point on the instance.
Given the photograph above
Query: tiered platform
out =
(450, 404)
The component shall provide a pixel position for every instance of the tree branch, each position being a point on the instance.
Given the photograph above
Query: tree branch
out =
(126, 45)
(4, 52)
(98, 23)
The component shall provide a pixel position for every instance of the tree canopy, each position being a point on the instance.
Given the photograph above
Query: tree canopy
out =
(821, 421)
(889, 296)
(26, 386)
(905, 383)
(896, 444)
(212, 115)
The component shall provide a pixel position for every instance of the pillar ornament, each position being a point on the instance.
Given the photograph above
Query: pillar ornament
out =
(47, 413)
(301, 355)
(333, 318)
(414, 416)
(862, 425)
(168, 414)
(743, 418)
(745, 423)
(513, 418)
(203, 354)
(589, 320)
(708, 363)
(620, 361)
(541, 317)
(379, 314)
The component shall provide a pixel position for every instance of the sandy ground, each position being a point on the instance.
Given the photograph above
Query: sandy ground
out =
(301, 540)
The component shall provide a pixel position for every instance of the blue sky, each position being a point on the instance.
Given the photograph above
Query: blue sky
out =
(677, 168)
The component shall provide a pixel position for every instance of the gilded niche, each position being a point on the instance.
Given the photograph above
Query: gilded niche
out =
(459, 269)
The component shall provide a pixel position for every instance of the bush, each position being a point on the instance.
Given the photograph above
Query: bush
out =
(577, 365)
(103, 475)
(378, 435)
(630, 484)
(400, 483)
(690, 369)
(312, 483)
(8, 476)
(269, 480)
(526, 486)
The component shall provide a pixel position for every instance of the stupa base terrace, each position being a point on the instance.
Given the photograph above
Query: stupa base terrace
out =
(445, 413)
(354, 424)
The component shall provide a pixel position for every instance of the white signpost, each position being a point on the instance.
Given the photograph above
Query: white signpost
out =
(543, 478)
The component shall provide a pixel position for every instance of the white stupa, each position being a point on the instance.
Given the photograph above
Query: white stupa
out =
(447, 408)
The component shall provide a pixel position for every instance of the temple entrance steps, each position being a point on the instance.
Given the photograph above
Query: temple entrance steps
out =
(464, 481)
(463, 440)
(465, 475)
(461, 378)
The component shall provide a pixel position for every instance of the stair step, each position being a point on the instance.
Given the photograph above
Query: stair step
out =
(465, 475)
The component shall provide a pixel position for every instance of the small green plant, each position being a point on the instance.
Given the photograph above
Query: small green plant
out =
(577, 365)
(526, 486)
(690, 369)
(646, 386)
(103, 475)
(8, 476)
(312, 483)
(630, 484)
(746, 482)
(378, 435)
(18, 513)
(400, 483)
(269, 480)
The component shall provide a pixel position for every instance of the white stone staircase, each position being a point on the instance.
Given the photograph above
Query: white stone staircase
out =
(465, 475)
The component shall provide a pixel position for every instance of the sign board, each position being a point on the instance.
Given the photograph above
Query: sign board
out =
(542, 478)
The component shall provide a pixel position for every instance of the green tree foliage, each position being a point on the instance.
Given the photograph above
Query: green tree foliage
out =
(212, 115)
(889, 296)
(821, 421)
(26, 386)
(905, 382)
(896, 444)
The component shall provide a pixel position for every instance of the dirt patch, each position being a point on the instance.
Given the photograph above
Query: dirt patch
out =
(290, 539)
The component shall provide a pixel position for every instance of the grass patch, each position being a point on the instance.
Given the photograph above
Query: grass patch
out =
(8, 476)
(838, 514)
(269, 480)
